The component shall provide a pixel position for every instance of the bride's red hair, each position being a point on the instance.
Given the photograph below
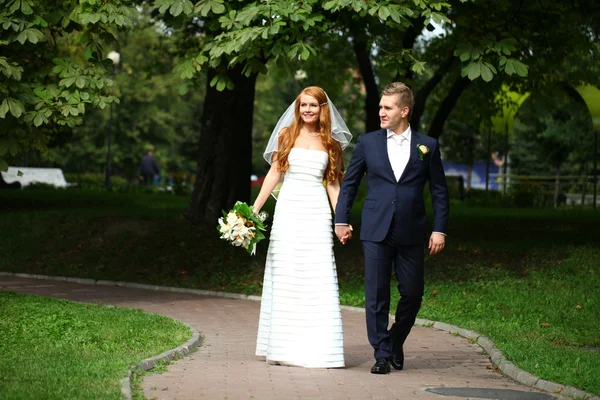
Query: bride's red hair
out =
(289, 134)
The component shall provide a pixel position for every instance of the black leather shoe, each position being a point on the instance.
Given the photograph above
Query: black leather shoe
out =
(382, 366)
(397, 360)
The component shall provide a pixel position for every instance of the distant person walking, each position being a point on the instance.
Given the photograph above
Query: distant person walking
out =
(149, 169)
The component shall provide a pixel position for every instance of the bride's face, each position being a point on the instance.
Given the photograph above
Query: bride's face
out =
(309, 109)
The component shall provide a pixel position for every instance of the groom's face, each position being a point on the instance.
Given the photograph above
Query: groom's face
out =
(391, 114)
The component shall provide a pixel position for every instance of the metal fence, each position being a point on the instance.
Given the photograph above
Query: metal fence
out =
(572, 190)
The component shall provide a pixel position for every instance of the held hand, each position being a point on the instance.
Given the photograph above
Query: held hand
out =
(437, 241)
(343, 232)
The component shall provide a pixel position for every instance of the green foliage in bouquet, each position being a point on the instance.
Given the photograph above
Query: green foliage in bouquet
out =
(242, 226)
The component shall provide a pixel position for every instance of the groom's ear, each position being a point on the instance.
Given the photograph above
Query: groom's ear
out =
(405, 112)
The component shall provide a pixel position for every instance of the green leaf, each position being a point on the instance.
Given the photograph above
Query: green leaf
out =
(522, 69)
(305, 53)
(486, 73)
(19, 173)
(15, 107)
(188, 7)
(40, 21)
(3, 165)
(26, 7)
(15, 6)
(418, 67)
(31, 34)
(162, 5)
(509, 68)
(384, 13)
(329, 5)
(80, 82)
(463, 50)
(3, 108)
(218, 7)
(396, 16)
(87, 54)
(38, 120)
(507, 46)
(474, 70)
(176, 9)
(221, 85)
(67, 82)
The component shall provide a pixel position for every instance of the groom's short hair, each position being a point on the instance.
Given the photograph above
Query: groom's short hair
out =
(405, 95)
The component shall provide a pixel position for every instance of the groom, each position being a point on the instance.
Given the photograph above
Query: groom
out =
(397, 162)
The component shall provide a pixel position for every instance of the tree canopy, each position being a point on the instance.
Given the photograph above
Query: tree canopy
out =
(52, 67)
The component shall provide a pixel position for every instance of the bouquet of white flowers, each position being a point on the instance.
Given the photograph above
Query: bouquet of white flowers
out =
(242, 227)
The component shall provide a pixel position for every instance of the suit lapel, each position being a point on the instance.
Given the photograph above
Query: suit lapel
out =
(382, 144)
(414, 154)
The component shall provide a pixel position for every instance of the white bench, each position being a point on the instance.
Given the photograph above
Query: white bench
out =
(51, 176)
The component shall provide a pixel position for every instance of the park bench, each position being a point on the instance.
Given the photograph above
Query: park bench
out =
(17, 177)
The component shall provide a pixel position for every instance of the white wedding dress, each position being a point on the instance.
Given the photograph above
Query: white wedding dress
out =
(300, 318)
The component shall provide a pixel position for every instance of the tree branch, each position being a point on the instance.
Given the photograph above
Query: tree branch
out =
(444, 110)
(425, 91)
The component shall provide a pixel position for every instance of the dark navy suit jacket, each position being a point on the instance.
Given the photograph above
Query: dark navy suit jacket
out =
(387, 197)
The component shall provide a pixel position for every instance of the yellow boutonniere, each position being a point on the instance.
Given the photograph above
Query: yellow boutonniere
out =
(422, 150)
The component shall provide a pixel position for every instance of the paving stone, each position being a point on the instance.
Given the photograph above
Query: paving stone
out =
(224, 366)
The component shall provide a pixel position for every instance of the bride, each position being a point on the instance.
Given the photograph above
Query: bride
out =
(300, 318)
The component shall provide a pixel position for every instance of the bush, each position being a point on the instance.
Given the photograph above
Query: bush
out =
(530, 194)
(93, 182)
(481, 198)
(182, 183)
(41, 185)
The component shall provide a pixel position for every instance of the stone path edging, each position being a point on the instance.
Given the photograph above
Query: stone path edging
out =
(496, 356)
(147, 364)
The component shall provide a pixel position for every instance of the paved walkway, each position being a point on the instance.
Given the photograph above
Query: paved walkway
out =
(225, 367)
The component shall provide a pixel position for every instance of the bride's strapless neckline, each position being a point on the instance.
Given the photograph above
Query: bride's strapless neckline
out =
(303, 148)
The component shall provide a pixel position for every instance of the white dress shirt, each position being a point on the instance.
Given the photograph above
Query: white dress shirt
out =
(398, 147)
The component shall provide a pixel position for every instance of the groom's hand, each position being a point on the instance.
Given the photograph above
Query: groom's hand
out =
(437, 241)
(343, 232)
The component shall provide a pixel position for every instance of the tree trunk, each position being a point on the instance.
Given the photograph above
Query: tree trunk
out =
(585, 183)
(470, 159)
(225, 148)
(556, 186)
(422, 95)
(444, 110)
(469, 175)
(362, 51)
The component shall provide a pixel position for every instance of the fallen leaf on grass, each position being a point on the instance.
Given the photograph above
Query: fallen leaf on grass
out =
(545, 324)
(578, 307)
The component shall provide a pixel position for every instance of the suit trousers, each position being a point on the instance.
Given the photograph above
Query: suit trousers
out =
(407, 262)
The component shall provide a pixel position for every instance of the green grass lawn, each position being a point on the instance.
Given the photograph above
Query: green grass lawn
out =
(528, 279)
(56, 349)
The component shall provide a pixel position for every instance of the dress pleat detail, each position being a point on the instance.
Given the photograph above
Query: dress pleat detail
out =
(300, 317)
